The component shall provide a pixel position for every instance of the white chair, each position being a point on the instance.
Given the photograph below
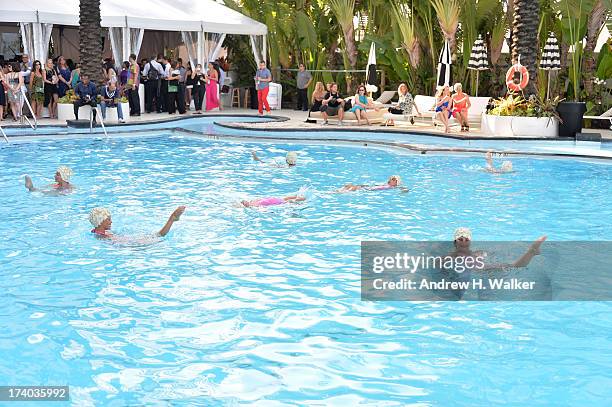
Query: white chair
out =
(607, 115)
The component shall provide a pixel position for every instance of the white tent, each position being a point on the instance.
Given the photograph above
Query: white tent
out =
(202, 21)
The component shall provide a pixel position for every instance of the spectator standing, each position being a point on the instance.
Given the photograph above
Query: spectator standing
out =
(63, 74)
(86, 93)
(51, 95)
(2, 94)
(163, 87)
(123, 75)
(133, 84)
(26, 68)
(75, 77)
(180, 101)
(37, 89)
(212, 88)
(222, 75)
(173, 85)
(263, 77)
(153, 72)
(199, 88)
(304, 78)
(188, 86)
(14, 79)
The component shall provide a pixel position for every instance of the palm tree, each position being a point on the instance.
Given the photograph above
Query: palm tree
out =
(595, 22)
(524, 37)
(344, 10)
(90, 39)
(448, 12)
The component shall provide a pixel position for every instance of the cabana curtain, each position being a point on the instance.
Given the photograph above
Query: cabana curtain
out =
(36, 38)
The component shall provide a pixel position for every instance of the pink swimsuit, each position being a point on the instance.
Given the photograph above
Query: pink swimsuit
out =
(379, 187)
(269, 201)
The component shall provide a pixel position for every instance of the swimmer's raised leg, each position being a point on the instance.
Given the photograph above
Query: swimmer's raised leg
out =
(489, 158)
(174, 217)
(533, 251)
(28, 184)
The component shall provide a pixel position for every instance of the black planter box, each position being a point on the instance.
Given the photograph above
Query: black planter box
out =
(571, 114)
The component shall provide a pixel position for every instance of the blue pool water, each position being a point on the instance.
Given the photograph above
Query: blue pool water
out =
(262, 307)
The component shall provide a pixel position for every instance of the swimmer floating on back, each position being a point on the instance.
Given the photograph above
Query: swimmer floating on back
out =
(290, 159)
(273, 201)
(101, 220)
(393, 182)
(62, 176)
(505, 167)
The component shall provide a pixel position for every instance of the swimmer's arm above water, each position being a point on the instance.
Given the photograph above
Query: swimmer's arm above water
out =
(255, 157)
(174, 217)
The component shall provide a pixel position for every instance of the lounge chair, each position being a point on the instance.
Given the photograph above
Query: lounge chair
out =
(604, 116)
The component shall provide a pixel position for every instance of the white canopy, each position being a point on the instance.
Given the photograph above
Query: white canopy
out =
(178, 15)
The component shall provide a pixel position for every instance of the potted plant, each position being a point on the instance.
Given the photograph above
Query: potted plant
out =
(65, 109)
(515, 116)
(574, 16)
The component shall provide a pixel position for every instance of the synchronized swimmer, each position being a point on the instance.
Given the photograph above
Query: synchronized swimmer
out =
(62, 184)
(100, 218)
(393, 182)
(505, 167)
(290, 159)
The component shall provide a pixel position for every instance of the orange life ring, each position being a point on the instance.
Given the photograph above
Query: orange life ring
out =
(513, 86)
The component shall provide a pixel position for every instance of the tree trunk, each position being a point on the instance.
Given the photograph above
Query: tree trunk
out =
(525, 38)
(597, 19)
(90, 40)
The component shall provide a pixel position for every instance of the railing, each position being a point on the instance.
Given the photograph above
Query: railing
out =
(25, 98)
(91, 120)
(3, 134)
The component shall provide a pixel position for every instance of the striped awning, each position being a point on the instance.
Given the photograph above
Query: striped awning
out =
(551, 54)
(478, 58)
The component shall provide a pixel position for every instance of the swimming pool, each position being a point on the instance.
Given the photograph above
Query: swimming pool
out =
(262, 307)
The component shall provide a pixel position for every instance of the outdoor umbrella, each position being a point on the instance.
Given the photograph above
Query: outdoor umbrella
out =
(551, 58)
(371, 75)
(444, 66)
(478, 59)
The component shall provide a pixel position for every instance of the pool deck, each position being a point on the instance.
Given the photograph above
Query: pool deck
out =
(421, 137)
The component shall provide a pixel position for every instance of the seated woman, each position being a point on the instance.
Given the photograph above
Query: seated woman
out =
(290, 159)
(444, 106)
(100, 218)
(273, 201)
(317, 98)
(62, 176)
(461, 104)
(404, 105)
(393, 182)
(360, 105)
(505, 167)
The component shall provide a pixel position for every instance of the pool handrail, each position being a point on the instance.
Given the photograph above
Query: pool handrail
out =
(3, 134)
(91, 112)
(25, 98)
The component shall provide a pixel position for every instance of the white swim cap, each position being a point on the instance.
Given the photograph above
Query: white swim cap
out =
(506, 166)
(65, 172)
(291, 158)
(397, 177)
(98, 215)
(463, 232)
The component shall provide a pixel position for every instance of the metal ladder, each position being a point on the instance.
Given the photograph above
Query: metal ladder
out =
(99, 114)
